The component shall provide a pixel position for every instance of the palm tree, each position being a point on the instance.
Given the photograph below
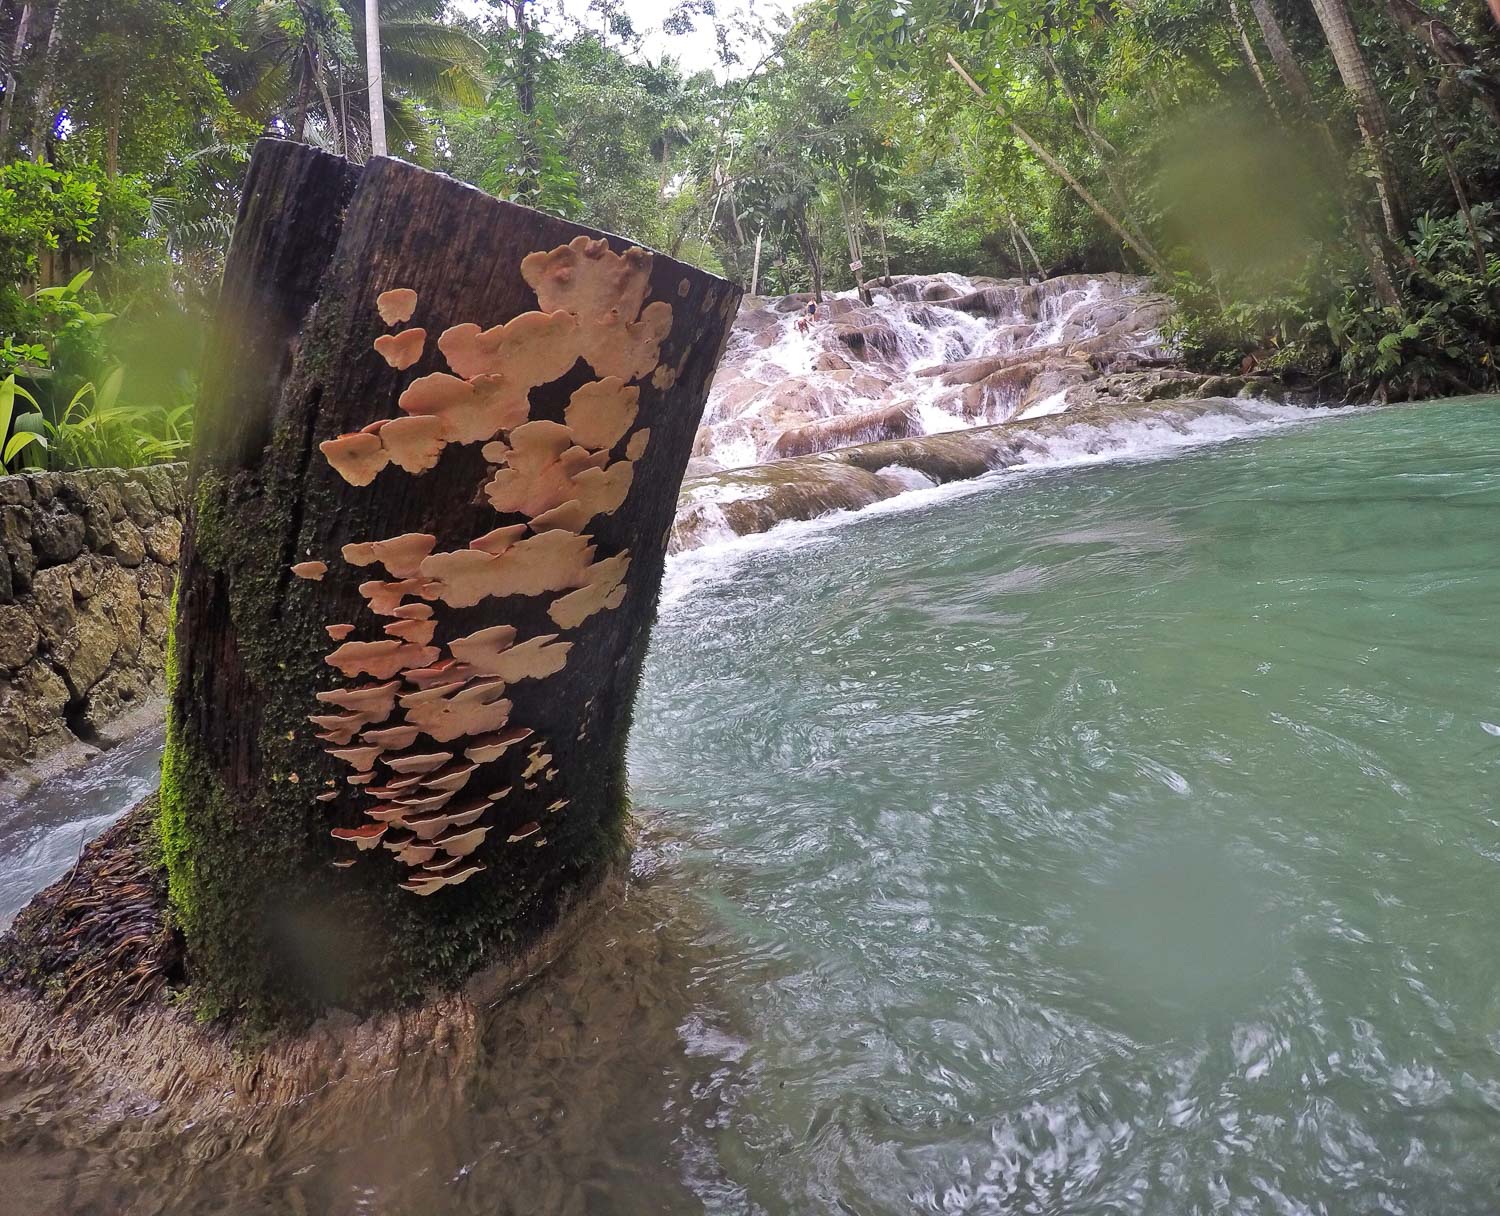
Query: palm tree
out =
(299, 68)
(1369, 106)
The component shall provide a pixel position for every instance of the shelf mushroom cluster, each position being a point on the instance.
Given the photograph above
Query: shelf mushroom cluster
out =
(418, 717)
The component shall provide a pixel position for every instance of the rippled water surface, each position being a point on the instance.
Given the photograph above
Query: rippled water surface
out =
(1121, 839)
(1101, 840)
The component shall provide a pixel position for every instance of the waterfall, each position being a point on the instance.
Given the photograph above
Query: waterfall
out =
(930, 354)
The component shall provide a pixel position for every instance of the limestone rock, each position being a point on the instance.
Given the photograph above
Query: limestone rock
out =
(129, 548)
(164, 540)
(19, 637)
(57, 534)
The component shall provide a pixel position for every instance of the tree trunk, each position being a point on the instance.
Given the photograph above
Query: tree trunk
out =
(256, 800)
(45, 114)
(8, 104)
(1133, 240)
(375, 73)
(849, 210)
(810, 252)
(1251, 59)
(1374, 125)
(1295, 81)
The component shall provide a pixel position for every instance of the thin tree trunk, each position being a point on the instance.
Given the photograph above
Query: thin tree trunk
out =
(1017, 230)
(304, 96)
(339, 147)
(810, 252)
(8, 104)
(885, 257)
(1103, 149)
(849, 209)
(1134, 241)
(1251, 58)
(1369, 106)
(374, 69)
(755, 266)
(255, 807)
(46, 116)
(1296, 83)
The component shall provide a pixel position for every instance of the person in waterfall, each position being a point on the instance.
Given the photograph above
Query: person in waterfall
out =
(804, 322)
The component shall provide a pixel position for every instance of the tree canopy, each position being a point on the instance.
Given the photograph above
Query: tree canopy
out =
(1315, 183)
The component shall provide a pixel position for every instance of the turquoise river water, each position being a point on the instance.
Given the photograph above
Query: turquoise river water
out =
(1117, 838)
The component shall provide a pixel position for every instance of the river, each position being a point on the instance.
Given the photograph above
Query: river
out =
(1115, 838)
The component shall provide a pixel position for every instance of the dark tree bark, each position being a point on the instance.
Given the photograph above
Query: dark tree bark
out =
(251, 795)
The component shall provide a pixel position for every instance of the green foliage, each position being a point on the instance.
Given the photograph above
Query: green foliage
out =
(42, 210)
(20, 440)
(1445, 341)
(95, 429)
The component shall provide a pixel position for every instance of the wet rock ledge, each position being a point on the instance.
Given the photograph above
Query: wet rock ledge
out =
(87, 563)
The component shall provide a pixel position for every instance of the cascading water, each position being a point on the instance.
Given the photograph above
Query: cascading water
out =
(930, 354)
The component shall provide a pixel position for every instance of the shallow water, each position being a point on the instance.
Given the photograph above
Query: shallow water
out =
(43, 833)
(1110, 839)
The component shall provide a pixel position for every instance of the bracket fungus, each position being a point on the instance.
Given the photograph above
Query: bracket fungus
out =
(362, 759)
(385, 598)
(414, 441)
(313, 571)
(531, 349)
(471, 411)
(366, 836)
(475, 709)
(494, 652)
(428, 827)
(403, 349)
(356, 457)
(395, 738)
(461, 843)
(375, 701)
(605, 291)
(400, 555)
(551, 561)
(636, 448)
(419, 885)
(419, 632)
(601, 411)
(381, 659)
(419, 764)
(605, 589)
(522, 832)
(396, 306)
(492, 747)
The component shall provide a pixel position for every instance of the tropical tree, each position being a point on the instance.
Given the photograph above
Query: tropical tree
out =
(298, 67)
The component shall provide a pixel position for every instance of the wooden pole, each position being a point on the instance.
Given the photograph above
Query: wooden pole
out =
(440, 441)
(376, 73)
(755, 267)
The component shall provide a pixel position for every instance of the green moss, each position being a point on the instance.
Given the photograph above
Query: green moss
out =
(274, 936)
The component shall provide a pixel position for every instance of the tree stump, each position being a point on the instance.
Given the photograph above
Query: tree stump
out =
(440, 442)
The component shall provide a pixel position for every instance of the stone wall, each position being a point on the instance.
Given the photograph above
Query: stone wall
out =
(87, 563)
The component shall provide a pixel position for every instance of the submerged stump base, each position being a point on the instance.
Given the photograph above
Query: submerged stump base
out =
(95, 1003)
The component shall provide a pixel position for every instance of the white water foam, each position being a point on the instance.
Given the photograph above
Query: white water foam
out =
(777, 376)
(1127, 441)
